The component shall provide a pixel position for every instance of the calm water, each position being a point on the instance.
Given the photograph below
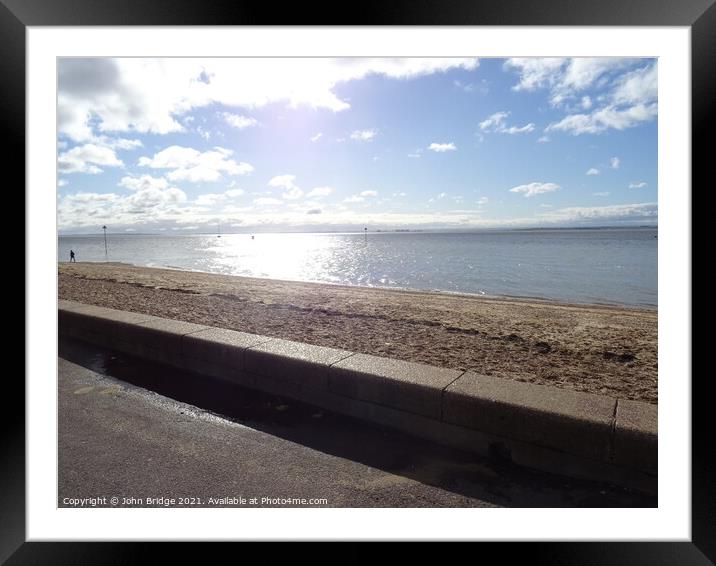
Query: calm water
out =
(592, 266)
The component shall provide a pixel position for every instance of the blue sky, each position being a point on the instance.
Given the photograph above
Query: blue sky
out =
(180, 145)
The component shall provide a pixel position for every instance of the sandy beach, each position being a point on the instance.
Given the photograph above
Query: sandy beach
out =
(597, 349)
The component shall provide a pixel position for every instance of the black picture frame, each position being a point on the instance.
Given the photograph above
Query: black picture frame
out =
(699, 15)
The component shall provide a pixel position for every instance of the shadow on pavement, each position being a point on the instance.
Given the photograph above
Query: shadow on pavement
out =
(470, 475)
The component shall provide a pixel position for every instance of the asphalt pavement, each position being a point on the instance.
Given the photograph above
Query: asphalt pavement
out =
(135, 434)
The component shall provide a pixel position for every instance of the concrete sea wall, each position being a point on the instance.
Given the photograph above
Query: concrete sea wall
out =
(537, 426)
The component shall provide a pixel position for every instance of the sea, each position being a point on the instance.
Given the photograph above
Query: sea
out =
(602, 266)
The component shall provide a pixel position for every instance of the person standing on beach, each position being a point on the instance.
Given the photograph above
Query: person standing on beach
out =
(72, 256)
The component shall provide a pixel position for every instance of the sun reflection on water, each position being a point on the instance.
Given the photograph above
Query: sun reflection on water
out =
(306, 257)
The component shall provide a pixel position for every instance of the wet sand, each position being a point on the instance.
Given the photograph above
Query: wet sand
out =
(597, 349)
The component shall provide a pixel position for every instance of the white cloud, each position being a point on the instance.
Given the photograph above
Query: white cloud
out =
(62, 182)
(86, 159)
(493, 121)
(482, 88)
(90, 213)
(621, 212)
(83, 197)
(543, 139)
(149, 202)
(267, 201)
(88, 209)
(442, 147)
(238, 121)
(565, 77)
(122, 95)
(282, 181)
(304, 206)
(583, 72)
(482, 200)
(291, 191)
(401, 194)
(205, 134)
(614, 163)
(601, 194)
(628, 99)
(149, 95)
(535, 72)
(211, 199)
(414, 155)
(171, 195)
(533, 189)
(637, 87)
(361, 197)
(122, 143)
(116, 143)
(519, 130)
(317, 137)
(319, 192)
(153, 198)
(441, 196)
(496, 123)
(188, 164)
(143, 182)
(363, 135)
(637, 185)
(593, 171)
(631, 100)
(604, 119)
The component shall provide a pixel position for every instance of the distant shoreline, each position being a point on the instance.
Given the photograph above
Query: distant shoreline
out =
(378, 231)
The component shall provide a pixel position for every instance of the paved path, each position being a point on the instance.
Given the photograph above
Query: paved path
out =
(249, 449)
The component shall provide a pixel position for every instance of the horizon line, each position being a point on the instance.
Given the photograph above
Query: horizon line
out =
(362, 231)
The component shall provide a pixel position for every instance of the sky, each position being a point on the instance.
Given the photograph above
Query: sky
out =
(315, 144)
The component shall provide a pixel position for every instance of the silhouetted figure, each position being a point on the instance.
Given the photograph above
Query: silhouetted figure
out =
(72, 257)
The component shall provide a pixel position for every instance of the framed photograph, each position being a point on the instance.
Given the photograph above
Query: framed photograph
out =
(448, 249)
